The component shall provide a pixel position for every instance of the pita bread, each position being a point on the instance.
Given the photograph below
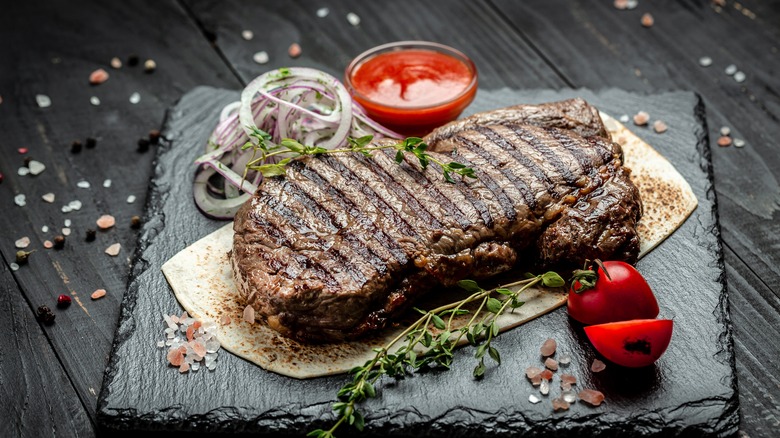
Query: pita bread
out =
(201, 278)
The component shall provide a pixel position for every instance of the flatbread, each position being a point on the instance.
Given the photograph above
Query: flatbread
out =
(202, 280)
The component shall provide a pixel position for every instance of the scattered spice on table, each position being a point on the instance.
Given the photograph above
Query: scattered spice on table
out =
(659, 126)
(90, 235)
(75, 146)
(647, 20)
(641, 118)
(135, 222)
(724, 141)
(116, 63)
(261, 57)
(98, 76)
(91, 142)
(105, 222)
(294, 50)
(22, 257)
(113, 250)
(353, 19)
(133, 60)
(199, 347)
(150, 66)
(59, 242)
(45, 315)
(99, 293)
(63, 301)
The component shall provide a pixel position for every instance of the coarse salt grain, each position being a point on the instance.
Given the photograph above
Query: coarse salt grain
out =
(548, 347)
(131, 199)
(532, 372)
(559, 404)
(44, 229)
(740, 77)
(20, 200)
(705, 61)
(116, 63)
(23, 171)
(107, 183)
(620, 4)
(551, 364)
(569, 396)
(624, 118)
(724, 141)
(739, 143)
(22, 243)
(36, 167)
(249, 314)
(546, 375)
(261, 57)
(725, 130)
(14, 266)
(323, 12)
(294, 50)
(99, 293)
(135, 98)
(534, 399)
(730, 69)
(75, 205)
(659, 126)
(83, 184)
(353, 19)
(113, 250)
(49, 197)
(225, 320)
(598, 366)
(564, 360)
(647, 20)
(247, 34)
(43, 100)
(67, 222)
(22, 151)
(66, 231)
(48, 244)
(641, 118)
(98, 76)
(94, 100)
(591, 396)
(544, 387)
(105, 222)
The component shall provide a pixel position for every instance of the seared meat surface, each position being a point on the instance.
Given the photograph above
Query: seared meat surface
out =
(343, 243)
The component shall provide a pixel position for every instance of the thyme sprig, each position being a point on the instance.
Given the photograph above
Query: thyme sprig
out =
(292, 149)
(429, 342)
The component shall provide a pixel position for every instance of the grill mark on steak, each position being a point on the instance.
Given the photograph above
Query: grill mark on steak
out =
(503, 199)
(336, 254)
(338, 196)
(370, 194)
(304, 262)
(607, 152)
(545, 150)
(327, 218)
(580, 155)
(519, 184)
(505, 144)
(431, 190)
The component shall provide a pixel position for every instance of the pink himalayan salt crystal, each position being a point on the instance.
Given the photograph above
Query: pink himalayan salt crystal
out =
(660, 127)
(548, 348)
(199, 348)
(591, 396)
(48, 244)
(598, 366)
(184, 367)
(174, 318)
(225, 320)
(105, 222)
(536, 380)
(98, 76)
(641, 118)
(114, 249)
(190, 333)
(559, 404)
(196, 325)
(532, 372)
(184, 315)
(568, 379)
(546, 375)
(551, 364)
(249, 314)
(295, 50)
(176, 357)
(100, 293)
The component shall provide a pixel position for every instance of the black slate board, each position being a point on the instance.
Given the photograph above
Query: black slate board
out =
(691, 391)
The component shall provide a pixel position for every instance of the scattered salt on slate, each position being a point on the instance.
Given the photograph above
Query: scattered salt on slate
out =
(294, 50)
(114, 249)
(105, 222)
(598, 366)
(131, 199)
(731, 69)
(150, 66)
(740, 77)
(705, 61)
(99, 293)
(22, 243)
(641, 118)
(116, 63)
(261, 57)
(534, 399)
(94, 100)
(544, 387)
(548, 348)
(247, 34)
(83, 184)
(20, 200)
(353, 19)
(36, 167)
(725, 130)
(107, 183)
(739, 143)
(191, 343)
(323, 12)
(591, 396)
(43, 100)
(135, 98)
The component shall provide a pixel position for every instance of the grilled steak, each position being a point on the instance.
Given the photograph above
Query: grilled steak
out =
(342, 243)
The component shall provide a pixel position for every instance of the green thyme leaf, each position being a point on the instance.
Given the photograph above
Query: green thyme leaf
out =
(552, 279)
(493, 305)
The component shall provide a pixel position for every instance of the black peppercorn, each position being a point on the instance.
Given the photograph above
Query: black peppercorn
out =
(59, 242)
(154, 136)
(135, 222)
(45, 315)
(132, 60)
(91, 143)
(143, 145)
(27, 161)
(75, 147)
(91, 235)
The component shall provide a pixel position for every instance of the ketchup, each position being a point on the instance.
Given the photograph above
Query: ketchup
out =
(413, 90)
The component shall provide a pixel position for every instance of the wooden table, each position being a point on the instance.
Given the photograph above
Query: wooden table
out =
(51, 374)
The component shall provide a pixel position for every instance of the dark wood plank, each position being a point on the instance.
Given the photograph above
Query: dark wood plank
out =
(329, 43)
(53, 53)
(595, 45)
(37, 397)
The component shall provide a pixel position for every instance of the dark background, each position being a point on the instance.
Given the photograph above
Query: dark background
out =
(50, 376)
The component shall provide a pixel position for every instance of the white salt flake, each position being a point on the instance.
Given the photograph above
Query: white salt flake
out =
(36, 167)
(160, 344)
(113, 250)
(261, 57)
(569, 396)
(23, 171)
(739, 143)
(740, 77)
(705, 61)
(131, 199)
(44, 229)
(565, 359)
(135, 98)
(534, 399)
(323, 12)
(107, 183)
(731, 69)
(544, 388)
(624, 118)
(22, 243)
(67, 222)
(353, 19)
(49, 197)
(75, 205)
(66, 209)
(66, 231)
(20, 200)
(14, 267)
(43, 100)
(83, 184)
(632, 4)
(247, 35)
(94, 100)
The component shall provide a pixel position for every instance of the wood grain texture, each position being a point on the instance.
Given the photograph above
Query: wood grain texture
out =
(671, 398)
(329, 43)
(37, 396)
(595, 45)
(53, 53)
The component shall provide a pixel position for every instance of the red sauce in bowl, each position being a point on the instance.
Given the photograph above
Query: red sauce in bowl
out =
(412, 87)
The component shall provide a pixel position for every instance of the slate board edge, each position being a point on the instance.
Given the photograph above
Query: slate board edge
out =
(500, 423)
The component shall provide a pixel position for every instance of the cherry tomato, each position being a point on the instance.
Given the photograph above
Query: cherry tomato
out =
(634, 344)
(620, 296)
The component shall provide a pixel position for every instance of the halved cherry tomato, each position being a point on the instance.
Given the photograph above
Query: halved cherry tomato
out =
(634, 344)
(621, 295)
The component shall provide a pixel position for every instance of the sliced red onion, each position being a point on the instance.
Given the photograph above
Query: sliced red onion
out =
(304, 104)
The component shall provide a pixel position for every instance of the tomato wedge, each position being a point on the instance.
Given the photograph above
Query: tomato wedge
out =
(619, 294)
(633, 344)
